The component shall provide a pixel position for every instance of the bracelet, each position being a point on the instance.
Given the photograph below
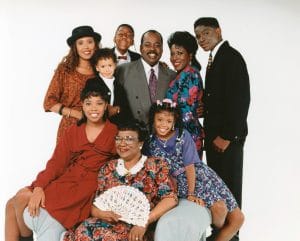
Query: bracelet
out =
(68, 115)
(61, 109)
(191, 194)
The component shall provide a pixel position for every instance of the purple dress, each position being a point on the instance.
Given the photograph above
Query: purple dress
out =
(180, 151)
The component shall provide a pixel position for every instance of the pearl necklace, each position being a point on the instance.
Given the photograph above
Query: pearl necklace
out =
(122, 171)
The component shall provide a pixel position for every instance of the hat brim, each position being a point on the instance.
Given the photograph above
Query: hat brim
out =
(73, 38)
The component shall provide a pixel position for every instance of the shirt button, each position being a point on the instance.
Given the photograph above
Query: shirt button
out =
(208, 94)
(136, 97)
(138, 112)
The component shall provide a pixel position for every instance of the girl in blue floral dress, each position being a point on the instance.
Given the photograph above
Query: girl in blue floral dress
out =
(187, 88)
(195, 180)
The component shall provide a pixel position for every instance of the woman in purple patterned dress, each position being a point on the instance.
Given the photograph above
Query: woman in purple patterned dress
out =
(187, 88)
(196, 182)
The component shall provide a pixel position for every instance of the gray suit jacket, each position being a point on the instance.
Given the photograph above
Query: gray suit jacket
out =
(133, 77)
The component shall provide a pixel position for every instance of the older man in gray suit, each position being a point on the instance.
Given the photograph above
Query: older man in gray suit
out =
(145, 80)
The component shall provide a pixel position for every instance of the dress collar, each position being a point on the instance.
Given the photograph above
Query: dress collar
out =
(122, 171)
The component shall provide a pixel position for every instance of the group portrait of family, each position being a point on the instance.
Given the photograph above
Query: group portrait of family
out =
(129, 120)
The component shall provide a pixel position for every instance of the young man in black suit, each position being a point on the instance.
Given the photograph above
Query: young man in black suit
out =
(124, 39)
(226, 100)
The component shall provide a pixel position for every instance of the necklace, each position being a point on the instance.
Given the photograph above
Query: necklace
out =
(163, 142)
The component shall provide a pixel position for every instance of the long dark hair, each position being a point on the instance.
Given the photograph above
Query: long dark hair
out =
(93, 89)
(71, 60)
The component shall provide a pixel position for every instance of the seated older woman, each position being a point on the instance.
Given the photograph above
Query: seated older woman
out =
(149, 175)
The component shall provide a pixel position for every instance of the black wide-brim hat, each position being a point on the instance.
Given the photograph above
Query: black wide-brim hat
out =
(83, 31)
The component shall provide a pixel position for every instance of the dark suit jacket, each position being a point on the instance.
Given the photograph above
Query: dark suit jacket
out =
(120, 99)
(133, 77)
(133, 55)
(226, 96)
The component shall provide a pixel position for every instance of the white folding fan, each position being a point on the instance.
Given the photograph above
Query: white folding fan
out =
(129, 202)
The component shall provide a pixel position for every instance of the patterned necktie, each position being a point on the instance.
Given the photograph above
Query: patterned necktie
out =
(210, 60)
(152, 85)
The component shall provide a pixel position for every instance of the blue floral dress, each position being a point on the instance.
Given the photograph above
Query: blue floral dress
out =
(187, 91)
(180, 151)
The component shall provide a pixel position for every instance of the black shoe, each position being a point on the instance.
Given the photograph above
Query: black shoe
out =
(212, 237)
(235, 238)
(30, 238)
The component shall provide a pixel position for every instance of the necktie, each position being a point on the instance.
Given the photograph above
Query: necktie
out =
(122, 57)
(152, 85)
(209, 62)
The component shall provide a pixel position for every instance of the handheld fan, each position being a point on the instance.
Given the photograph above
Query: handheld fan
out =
(130, 203)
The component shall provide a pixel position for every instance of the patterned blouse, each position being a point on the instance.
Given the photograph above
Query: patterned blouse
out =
(153, 180)
(187, 91)
(65, 88)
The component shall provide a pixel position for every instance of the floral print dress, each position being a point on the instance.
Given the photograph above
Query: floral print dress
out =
(180, 151)
(153, 180)
(187, 91)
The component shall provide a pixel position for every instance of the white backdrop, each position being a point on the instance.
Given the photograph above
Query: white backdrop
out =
(32, 42)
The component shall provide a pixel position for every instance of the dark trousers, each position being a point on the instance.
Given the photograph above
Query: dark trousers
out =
(228, 165)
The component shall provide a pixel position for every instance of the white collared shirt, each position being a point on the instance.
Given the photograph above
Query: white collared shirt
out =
(122, 61)
(216, 48)
(110, 84)
(148, 68)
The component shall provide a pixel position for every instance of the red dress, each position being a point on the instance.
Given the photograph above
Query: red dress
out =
(70, 177)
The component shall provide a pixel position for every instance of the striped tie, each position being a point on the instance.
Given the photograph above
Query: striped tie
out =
(210, 60)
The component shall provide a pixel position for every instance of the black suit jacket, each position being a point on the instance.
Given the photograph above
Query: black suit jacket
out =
(226, 96)
(133, 55)
(120, 99)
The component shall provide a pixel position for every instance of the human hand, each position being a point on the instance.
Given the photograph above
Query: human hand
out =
(36, 200)
(108, 216)
(200, 110)
(136, 233)
(76, 114)
(164, 64)
(113, 110)
(196, 200)
(220, 144)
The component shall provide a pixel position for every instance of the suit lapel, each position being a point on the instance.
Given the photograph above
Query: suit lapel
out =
(142, 84)
(216, 60)
(219, 53)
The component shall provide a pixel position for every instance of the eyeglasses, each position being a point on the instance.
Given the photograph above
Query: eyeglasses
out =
(129, 140)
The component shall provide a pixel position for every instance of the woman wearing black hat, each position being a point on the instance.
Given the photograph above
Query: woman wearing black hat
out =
(63, 95)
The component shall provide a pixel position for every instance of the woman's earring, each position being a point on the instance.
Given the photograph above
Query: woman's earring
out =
(173, 127)
(141, 147)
